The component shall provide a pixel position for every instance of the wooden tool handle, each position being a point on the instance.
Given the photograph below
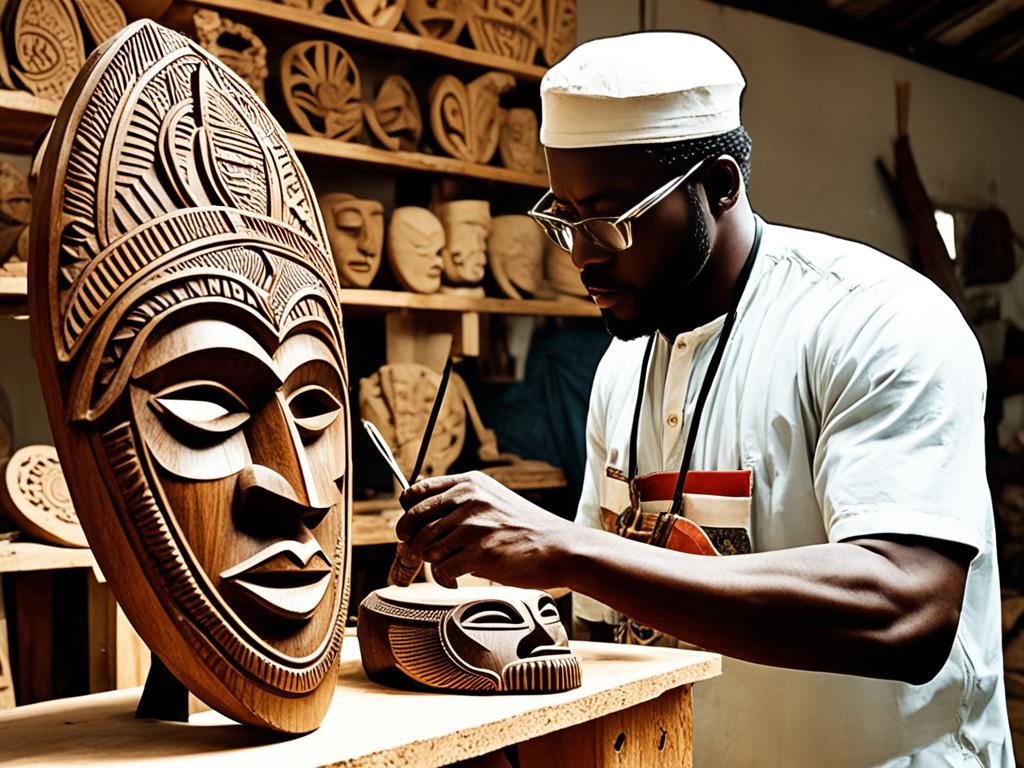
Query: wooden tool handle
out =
(405, 566)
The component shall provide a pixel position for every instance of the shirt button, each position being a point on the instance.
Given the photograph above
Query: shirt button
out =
(673, 420)
(681, 344)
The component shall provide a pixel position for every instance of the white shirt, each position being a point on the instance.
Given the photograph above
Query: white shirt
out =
(855, 391)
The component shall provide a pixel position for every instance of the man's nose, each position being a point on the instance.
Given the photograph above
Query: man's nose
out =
(275, 443)
(585, 253)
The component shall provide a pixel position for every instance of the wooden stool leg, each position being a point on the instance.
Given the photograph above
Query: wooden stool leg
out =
(655, 733)
(102, 644)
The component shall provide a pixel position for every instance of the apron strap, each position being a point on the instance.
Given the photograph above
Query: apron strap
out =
(636, 411)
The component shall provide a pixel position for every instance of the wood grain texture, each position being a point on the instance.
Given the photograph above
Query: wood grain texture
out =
(322, 89)
(234, 44)
(466, 119)
(25, 556)
(186, 328)
(359, 729)
(472, 639)
(34, 494)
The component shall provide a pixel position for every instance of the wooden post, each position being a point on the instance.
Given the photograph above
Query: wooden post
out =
(6, 675)
(33, 602)
(655, 733)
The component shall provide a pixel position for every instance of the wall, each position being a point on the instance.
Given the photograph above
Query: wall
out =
(821, 110)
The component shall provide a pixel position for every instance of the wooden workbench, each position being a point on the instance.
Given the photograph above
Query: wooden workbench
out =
(632, 710)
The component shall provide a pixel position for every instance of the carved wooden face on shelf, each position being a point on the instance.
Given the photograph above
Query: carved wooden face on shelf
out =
(383, 14)
(35, 497)
(397, 121)
(510, 28)
(397, 399)
(356, 231)
(472, 639)
(46, 41)
(515, 252)
(466, 120)
(322, 89)
(186, 324)
(234, 44)
(416, 249)
(442, 19)
(519, 145)
(466, 225)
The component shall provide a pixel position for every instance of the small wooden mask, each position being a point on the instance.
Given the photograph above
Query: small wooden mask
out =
(466, 119)
(515, 253)
(472, 639)
(356, 231)
(415, 249)
(396, 119)
(186, 325)
(519, 145)
(466, 226)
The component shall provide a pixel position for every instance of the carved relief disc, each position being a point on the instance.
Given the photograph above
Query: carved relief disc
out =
(186, 326)
(322, 89)
(383, 14)
(36, 497)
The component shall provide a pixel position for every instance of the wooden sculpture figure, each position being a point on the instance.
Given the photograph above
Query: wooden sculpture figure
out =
(356, 232)
(466, 226)
(441, 19)
(322, 89)
(471, 639)
(415, 249)
(397, 400)
(382, 14)
(185, 320)
(519, 142)
(45, 41)
(515, 254)
(35, 497)
(15, 210)
(559, 30)
(466, 120)
(395, 119)
(510, 28)
(234, 44)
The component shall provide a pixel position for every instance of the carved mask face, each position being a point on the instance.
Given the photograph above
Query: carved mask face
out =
(466, 225)
(497, 639)
(196, 374)
(515, 251)
(356, 230)
(416, 248)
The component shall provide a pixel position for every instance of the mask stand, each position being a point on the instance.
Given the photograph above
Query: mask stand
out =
(163, 696)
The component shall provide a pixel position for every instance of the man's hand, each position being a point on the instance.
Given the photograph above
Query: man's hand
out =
(471, 523)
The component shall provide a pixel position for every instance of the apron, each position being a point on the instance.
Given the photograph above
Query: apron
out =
(697, 512)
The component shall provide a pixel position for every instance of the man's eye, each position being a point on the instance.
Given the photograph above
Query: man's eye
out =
(314, 409)
(202, 409)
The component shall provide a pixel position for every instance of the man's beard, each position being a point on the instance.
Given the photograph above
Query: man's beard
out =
(664, 299)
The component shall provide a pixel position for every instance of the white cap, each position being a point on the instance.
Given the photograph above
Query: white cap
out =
(641, 88)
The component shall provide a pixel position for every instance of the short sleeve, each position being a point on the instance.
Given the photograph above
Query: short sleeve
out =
(901, 396)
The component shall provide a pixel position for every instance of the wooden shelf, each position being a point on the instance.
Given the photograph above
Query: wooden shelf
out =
(22, 556)
(365, 155)
(353, 298)
(24, 118)
(371, 38)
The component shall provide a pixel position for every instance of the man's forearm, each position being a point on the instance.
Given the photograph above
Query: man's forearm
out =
(869, 608)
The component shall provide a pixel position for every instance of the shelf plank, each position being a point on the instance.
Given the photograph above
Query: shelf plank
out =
(24, 556)
(365, 155)
(24, 117)
(368, 37)
(370, 298)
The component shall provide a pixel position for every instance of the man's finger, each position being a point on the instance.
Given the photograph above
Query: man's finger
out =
(434, 531)
(427, 487)
(429, 509)
(460, 562)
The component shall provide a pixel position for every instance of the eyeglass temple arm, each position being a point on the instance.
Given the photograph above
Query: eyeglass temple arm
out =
(658, 195)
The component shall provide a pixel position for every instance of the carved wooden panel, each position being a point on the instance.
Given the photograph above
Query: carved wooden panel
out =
(467, 223)
(46, 40)
(395, 119)
(322, 89)
(559, 30)
(441, 19)
(416, 248)
(186, 325)
(35, 497)
(397, 399)
(383, 14)
(471, 639)
(356, 232)
(510, 28)
(466, 119)
(515, 253)
(234, 44)
(519, 142)
(15, 209)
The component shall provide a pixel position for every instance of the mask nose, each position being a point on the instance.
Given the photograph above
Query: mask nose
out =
(539, 642)
(276, 446)
(370, 240)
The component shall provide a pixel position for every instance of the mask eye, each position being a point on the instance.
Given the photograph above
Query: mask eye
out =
(547, 610)
(490, 614)
(314, 408)
(200, 409)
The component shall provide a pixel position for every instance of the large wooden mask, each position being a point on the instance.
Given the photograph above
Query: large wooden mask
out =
(187, 329)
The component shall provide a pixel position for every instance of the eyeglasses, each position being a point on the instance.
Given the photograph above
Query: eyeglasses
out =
(613, 233)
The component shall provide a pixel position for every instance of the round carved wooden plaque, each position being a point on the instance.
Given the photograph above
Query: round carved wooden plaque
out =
(36, 498)
(186, 325)
(322, 89)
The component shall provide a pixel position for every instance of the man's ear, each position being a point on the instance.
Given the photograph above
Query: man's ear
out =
(723, 183)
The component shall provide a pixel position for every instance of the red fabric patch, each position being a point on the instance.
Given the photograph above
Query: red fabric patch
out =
(686, 536)
(661, 486)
